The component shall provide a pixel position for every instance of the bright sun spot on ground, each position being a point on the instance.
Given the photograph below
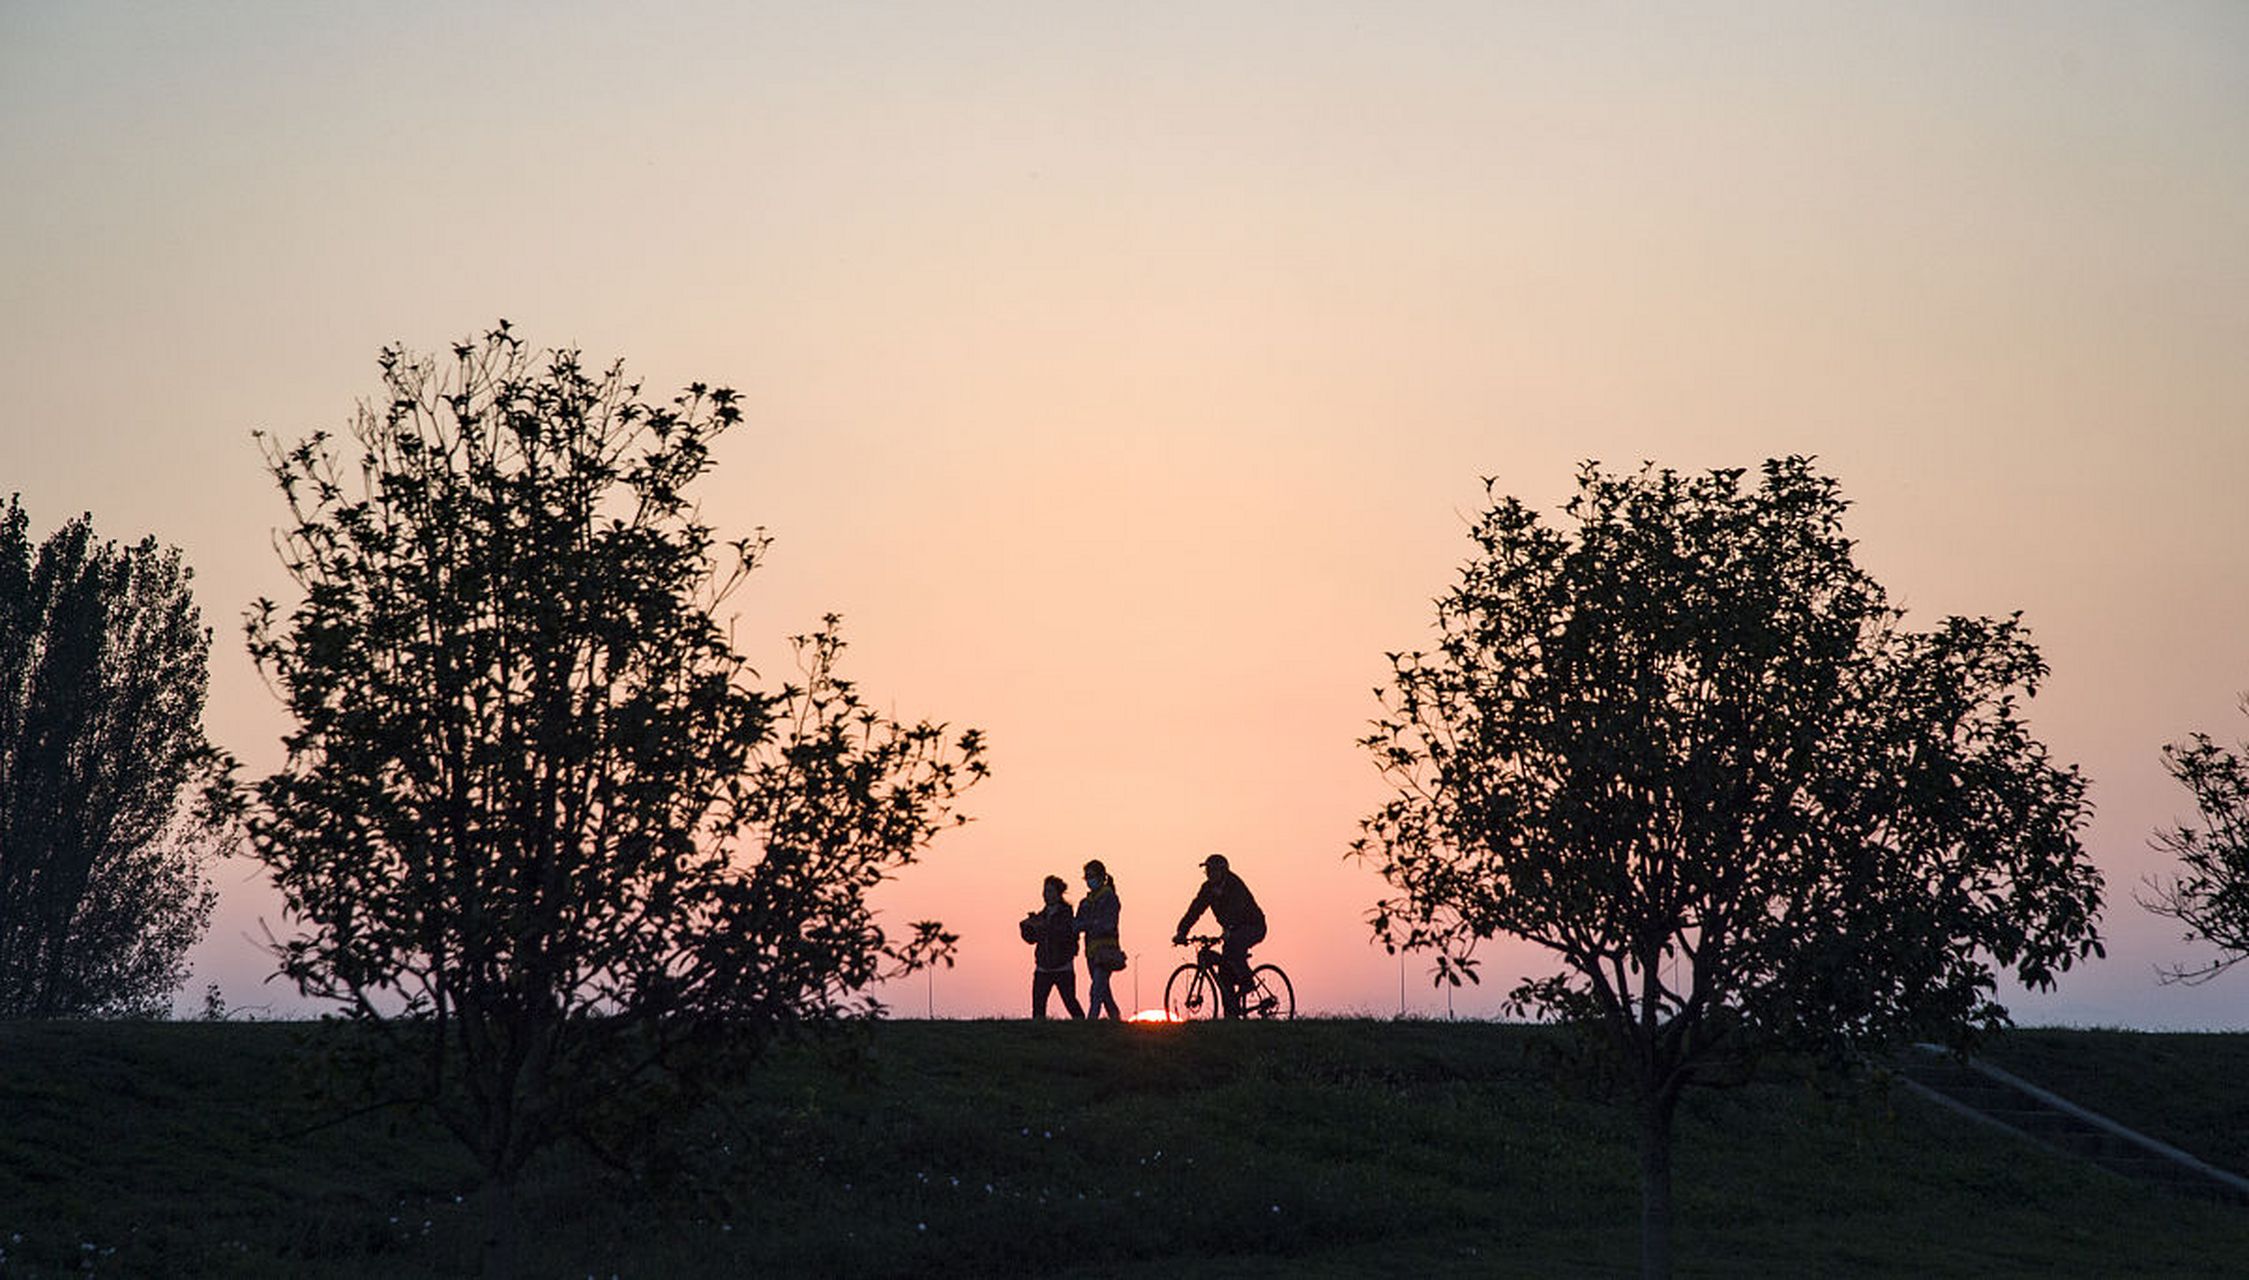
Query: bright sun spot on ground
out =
(1151, 1015)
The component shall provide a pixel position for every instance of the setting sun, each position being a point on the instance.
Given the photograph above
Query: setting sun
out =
(1152, 1015)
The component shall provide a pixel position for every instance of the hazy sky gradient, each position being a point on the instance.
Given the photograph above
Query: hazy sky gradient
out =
(1124, 374)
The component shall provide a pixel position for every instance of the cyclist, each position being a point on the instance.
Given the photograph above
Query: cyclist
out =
(1239, 918)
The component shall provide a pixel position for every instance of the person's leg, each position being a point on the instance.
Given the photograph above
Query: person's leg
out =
(1097, 995)
(1238, 943)
(1041, 983)
(1235, 960)
(1068, 985)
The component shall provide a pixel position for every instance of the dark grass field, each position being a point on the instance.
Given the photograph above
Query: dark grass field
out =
(1345, 1148)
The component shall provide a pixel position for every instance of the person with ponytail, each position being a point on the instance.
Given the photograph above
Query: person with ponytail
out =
(1104, 955)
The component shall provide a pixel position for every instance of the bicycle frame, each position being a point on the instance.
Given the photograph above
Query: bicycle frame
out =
(1202, 988)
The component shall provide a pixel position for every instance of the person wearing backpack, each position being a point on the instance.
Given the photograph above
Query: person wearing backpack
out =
(1239, 918)
(1054, 965)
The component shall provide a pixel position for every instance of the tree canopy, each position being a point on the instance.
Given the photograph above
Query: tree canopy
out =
(538, 829)
(103, 852)
(2209, 894)
(1689, 747)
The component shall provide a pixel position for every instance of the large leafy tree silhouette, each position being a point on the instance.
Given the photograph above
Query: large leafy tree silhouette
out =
(1688, 746)
(104, 849)
(540, 835)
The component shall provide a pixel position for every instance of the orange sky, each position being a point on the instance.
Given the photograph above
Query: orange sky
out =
(1124, 374)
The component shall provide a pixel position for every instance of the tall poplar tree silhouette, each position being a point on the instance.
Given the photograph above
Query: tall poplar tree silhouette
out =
(104, 848)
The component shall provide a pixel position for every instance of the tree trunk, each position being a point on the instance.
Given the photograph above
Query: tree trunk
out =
(498, 1261)
(1655, 1187)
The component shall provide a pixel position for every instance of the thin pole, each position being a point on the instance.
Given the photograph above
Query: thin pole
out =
(1401, 984)
(931, 975)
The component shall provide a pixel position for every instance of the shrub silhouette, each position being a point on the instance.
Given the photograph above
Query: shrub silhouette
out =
(2211, 894)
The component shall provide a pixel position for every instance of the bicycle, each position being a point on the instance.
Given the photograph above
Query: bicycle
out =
(1195, 991)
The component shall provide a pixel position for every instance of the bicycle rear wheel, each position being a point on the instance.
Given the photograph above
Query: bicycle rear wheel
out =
(1270, 994)
(1192, 995)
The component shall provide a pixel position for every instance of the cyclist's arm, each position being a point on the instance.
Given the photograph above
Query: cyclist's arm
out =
(1194, 910)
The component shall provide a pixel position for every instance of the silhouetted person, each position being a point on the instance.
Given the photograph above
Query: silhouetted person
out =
(1239, 918)
(1054, 966)
(1104, 955)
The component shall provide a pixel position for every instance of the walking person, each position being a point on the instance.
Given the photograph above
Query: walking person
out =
(1104, 955)
(1240, 919)
(1054, 965)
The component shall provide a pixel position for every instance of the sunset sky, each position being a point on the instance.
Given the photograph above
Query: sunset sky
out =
(1124, 374)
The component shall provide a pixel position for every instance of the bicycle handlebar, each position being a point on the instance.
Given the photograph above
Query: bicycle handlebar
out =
(1205, 940)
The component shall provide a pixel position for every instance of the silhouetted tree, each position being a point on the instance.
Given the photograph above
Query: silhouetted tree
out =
(1692, 751)
(539, 831)
(2212, 897)
(102, 856)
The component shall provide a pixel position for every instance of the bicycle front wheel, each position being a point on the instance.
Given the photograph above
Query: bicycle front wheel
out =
(1270, 995)
(1192, 995)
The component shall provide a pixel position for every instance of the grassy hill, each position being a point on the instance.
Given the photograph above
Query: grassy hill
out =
(970, 1149)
